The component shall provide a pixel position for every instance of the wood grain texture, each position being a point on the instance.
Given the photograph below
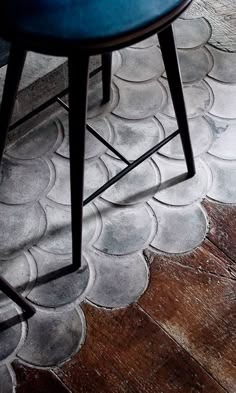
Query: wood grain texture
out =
(221, 15)
(197, 308)
(31, 380)
(127, 352)
(208, 258)
(222, 227)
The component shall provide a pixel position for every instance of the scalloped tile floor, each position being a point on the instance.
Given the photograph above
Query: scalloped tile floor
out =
(155, 207)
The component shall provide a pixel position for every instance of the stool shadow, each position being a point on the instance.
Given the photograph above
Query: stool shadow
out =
(62, 272)
(147, 192)
(44, 279)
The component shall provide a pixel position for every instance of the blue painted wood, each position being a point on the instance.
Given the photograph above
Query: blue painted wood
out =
(73, 20)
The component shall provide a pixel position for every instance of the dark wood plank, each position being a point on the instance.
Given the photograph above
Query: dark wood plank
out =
(32, 380)
(207, 258)
(222, 227)
(127, 352)
(218, 262)
(198, 310)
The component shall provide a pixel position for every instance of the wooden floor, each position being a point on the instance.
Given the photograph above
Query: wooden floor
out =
(180, 337)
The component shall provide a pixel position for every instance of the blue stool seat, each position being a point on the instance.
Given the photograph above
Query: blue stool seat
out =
(86, 23)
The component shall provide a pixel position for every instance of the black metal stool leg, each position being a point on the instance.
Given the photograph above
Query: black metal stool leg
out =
(78, 86)
(6, 288)
(170, 58)
(106, 76)
(13, 76)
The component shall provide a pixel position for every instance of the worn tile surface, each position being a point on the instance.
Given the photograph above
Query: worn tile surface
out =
(155, 207)
(7, 378)
(65, 331)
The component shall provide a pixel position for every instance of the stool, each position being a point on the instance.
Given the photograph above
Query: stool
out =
(78, 29)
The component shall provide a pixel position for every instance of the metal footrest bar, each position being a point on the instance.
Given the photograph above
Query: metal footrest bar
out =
(96, 135)
(46, 104)
(6, 288)
(111, 148)
(130, 167)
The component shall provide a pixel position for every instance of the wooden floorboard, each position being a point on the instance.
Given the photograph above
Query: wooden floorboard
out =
(32, 380)
(179, 338)
(194, 302)
(222, 230)
(207, 258)
(128, 352)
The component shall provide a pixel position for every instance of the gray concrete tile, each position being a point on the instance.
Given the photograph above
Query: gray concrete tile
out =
(223, 187)
(18, 176)
(136, 187)
(93, 148)
(139, 101)
(63, 148)
(116, 61)
(57, 237)
(20, 272)
(119, 281)
(56, 284)
(12, 333)
(60, 191)
(191, 33)
(95, 175)
(224, 99)
(198, 99)
(125, 229)
(133, 138)
(195, 64)
(201, 132)
(42, 140)
(7, 378)
(91, 225)
(53, 337)
(176, 189)
(95, 105)
(180, 229)
(140, 65)
(224, 65)
(225, 138)
(20, 227)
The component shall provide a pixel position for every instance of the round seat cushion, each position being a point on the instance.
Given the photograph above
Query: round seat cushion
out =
(85, 22)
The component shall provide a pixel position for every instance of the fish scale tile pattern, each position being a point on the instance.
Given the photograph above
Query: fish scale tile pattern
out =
(155, 206)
